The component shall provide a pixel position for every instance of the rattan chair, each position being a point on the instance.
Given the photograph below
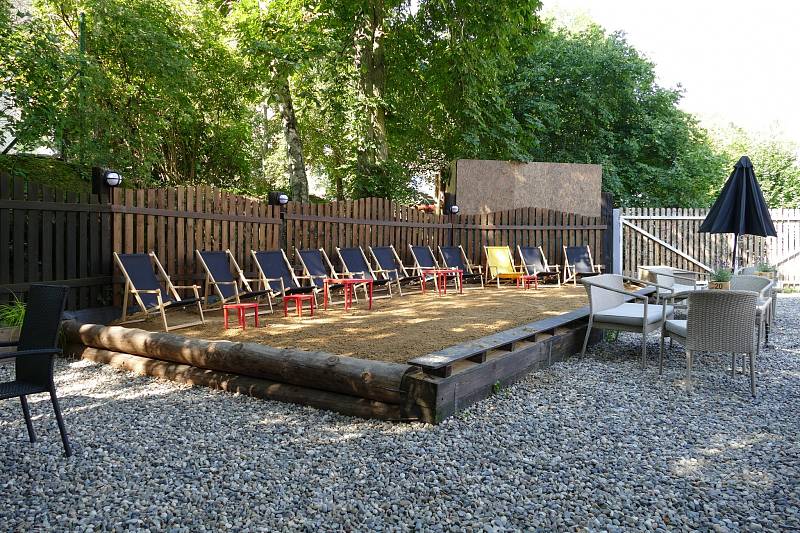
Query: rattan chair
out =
(609, 310)
(718, 321)
(762, 286)
(36, 349)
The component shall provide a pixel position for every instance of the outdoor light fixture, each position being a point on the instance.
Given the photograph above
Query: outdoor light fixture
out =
(103, 178)
(113, 179)
(278, 198)
(454, 209)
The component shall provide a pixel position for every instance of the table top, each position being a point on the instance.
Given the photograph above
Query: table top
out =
(347, 280)
(302, 296)
(243, 305)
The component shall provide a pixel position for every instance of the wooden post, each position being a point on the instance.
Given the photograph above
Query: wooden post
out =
(606, 214)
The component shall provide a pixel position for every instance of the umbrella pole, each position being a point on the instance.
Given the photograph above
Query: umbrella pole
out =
(735, 244)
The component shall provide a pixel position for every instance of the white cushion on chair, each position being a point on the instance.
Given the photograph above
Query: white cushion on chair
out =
(676, 326)
(631, 314)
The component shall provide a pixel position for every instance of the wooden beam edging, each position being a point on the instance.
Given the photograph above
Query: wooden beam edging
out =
(374, 380)
(666, 245)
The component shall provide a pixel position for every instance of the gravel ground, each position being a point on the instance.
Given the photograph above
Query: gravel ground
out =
(591, 444)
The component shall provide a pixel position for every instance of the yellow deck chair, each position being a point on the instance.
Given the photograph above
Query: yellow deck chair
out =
(500, 264)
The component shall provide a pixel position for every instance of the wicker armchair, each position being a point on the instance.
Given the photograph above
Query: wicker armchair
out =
(610, 308)
(718, 321)
(762, 286)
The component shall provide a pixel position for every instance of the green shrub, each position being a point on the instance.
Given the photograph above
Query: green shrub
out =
(12, 314)
(721, 275)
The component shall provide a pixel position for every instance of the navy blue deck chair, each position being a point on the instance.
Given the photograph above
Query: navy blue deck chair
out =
(36, 350)
(389, 262)
(578, 262)
(355, 265)
(455, 257)
(276, 272)
(150, 294)
(316, 267)
(227, 280)
(424, 258)
(534, 262)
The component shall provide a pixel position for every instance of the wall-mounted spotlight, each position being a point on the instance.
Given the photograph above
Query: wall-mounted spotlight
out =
(103, 179)
(454, 209)
(278, 198)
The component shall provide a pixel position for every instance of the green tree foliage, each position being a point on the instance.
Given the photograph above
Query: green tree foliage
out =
(775, 162)
(163, 96)
(589, 97)
(373, 97)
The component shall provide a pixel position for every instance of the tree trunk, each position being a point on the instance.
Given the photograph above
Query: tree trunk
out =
(369, 57)
(296, 167)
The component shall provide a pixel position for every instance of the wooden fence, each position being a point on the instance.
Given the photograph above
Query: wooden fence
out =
(68, 238)
(672, 237)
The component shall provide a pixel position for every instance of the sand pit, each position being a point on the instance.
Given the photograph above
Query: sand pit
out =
(396, 329)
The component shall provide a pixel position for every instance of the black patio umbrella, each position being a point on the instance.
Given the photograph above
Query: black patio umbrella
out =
(740, 208)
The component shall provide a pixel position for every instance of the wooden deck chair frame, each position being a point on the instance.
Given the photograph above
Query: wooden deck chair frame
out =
(161, 306)
(471, 268)
(552, 270)
(265, 280)
(569, 270)
(334, 275)
(372, 272)
(241, 279)
(402, 270)
(418, 268)
(496, 275)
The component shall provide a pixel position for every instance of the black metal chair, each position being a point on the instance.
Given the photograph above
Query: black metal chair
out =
(36, 350)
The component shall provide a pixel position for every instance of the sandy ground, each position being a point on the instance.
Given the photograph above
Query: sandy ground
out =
(396, 329)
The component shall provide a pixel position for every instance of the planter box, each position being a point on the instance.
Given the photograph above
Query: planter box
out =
(720, 285)
(770, 275)
(8, 335)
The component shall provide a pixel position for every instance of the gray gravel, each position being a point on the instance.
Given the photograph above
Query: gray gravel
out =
(591, 444)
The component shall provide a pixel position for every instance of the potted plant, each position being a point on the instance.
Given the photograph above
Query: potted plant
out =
(721, 279)
(764, 269)
(11, 316)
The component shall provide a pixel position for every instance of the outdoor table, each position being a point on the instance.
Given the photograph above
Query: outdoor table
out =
(526, 280)
(441, 275)
(298, 300)
(240, 309)
(349, 289)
